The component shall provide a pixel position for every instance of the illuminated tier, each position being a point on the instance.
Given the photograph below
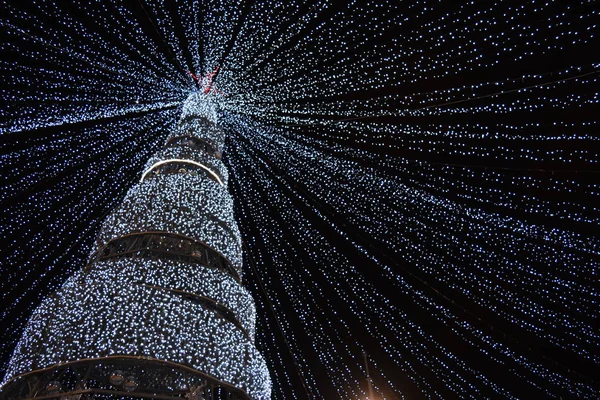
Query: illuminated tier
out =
(159, 311)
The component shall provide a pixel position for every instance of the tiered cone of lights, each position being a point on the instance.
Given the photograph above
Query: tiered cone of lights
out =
(159, 311)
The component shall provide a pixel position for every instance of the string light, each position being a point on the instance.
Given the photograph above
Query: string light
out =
(412, 180)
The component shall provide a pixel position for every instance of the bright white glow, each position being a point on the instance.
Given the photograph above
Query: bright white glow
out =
(182, 161)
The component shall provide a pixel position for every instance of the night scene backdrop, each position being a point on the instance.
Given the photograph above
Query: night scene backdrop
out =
(415, 180)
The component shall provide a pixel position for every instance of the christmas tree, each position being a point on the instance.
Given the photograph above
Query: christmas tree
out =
(159, 310)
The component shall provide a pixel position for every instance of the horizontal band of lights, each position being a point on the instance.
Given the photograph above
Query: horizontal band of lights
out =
(181, 275)
(219, 309)
(176, 160)
(174, 203)
(186, 152)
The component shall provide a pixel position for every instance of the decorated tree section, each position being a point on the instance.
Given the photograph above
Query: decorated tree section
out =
(160, 307)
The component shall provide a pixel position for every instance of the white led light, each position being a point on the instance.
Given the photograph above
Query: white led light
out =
(369, 142)
(163, 162)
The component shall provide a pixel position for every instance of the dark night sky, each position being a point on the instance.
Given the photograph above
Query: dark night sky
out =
(419, 181)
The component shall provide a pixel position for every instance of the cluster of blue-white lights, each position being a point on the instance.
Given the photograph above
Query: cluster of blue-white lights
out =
(182, 203)
(106, 312)
(456, 142)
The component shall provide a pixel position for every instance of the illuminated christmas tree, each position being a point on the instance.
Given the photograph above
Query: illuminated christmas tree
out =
(417, 181)
(159, 311)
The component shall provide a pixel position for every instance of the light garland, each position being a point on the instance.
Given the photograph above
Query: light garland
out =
(179, 152)
(181, 161)
(414, 180)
